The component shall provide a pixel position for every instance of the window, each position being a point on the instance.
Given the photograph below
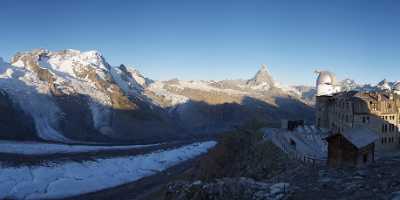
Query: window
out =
(365, 158)
(386, 128)
(365, 119)
(373, 106)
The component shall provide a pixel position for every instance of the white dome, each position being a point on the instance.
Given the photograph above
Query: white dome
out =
(396, 86)
(326, 77)
(326, 83)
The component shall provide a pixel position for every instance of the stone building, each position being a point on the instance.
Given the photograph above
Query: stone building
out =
(378, 111)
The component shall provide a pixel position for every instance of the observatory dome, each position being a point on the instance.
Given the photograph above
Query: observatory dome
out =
(326, 77)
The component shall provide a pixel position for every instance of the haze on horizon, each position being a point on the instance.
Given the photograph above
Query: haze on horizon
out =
(216, 40)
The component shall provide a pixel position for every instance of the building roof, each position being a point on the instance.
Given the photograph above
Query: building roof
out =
(360, 136)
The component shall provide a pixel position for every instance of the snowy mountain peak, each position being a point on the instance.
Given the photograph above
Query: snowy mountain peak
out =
(262, 79)
(385, 85)
(383, 82)
(54, 81)
(263, 67)
(348, 85)
(135, 74)
(64, 64)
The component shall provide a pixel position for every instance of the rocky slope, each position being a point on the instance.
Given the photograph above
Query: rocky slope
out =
(241, 166)
(73, 96)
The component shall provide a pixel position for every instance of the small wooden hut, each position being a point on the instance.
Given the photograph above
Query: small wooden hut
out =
(352, 147)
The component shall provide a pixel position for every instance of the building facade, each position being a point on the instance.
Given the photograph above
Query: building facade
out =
(377, 111)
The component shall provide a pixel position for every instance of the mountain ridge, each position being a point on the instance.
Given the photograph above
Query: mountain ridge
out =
(78, 96)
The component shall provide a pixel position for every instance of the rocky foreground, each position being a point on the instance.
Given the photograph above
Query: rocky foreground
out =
(275, 176)
(227, 188)
(377, 181)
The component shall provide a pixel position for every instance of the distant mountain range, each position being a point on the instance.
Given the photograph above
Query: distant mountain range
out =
(72, 96)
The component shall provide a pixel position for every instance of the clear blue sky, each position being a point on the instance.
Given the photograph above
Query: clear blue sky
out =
(198, 39)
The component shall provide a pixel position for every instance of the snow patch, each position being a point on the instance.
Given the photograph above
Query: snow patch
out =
(159, 90)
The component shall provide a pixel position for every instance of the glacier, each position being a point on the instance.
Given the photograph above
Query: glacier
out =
(71, 178)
